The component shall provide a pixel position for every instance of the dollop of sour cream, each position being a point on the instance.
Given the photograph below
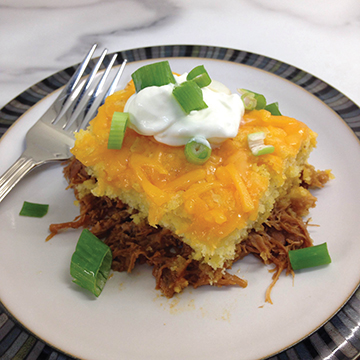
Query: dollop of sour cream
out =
(154, 111)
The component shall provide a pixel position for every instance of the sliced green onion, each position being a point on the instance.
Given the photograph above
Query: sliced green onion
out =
(273, 108)
(157, 74)
(249, 101)
(257, 146)
(34, 209)
(252, 100)
(189, 96)
(197, 150)
(200, 76)
(260, 101)
(266, 149)
(91, 263)
(309, 257)
(117, 130)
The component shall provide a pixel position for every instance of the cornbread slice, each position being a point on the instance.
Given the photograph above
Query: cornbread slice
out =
(212, 207)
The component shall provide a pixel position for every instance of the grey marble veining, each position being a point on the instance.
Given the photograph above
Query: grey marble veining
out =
(40, 37)
(327, 13)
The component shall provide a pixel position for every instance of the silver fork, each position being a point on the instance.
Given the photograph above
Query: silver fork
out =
(52, 136)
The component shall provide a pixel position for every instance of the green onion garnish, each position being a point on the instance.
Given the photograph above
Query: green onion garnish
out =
(200, 76)
(309, 257)
(273, 108)
(189, 96)
(257, 146)
(34, 210)
(117, 130)
(252, 100)
(260, 101)
(249, 101)
(197, 150)
(157, 74)
(91, 263)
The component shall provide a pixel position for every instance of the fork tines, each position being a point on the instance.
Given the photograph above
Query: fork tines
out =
(81, 98)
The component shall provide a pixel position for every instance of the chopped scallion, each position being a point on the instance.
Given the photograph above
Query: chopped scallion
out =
(260, 101)
(34, 209)
(200, 76)
(157, 74)
(309, 257)
(117, 130)
(257, 146)
(91, 263)
(265, 149)
(249, 101)
(197, 150)
(252, 100)
(189, 96)
(273, 108)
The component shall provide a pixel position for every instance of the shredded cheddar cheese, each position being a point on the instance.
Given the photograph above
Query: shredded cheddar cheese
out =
(211, 206)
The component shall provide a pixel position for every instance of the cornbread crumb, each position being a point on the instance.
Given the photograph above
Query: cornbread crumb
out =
(211, 207)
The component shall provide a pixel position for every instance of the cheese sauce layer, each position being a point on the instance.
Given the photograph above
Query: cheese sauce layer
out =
(211, 206)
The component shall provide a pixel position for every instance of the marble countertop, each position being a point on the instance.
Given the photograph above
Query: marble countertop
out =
(39, 38)
(322, 37)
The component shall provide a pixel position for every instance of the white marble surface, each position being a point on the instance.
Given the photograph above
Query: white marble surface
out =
(40, 37)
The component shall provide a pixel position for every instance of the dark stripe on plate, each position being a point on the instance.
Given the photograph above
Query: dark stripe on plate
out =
(36, 351)
(294, 74)
(16, 346)
(45, 353)
(306, 351)
(51, 84)
(9, 339)
(347, 329)
(306, 85)
(119, 58)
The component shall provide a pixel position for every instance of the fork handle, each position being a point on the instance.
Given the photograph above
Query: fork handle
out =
(15, 173)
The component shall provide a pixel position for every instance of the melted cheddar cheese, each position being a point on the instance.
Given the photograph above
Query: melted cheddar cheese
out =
(211, 206)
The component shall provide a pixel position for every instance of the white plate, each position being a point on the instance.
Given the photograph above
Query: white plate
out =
(130, 319)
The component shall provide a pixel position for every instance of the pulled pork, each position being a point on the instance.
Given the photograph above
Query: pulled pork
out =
(173, 266)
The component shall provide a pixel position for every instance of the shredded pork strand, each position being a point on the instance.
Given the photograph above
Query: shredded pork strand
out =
(171, 259)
